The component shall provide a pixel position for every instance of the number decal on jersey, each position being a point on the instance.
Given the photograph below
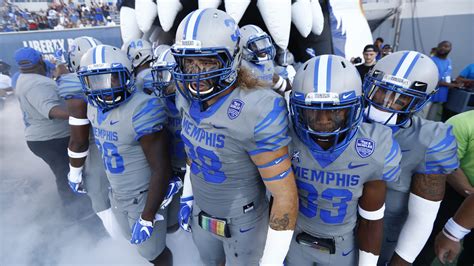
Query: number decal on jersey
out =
(113, 162)
(210, 163)
(329, 194)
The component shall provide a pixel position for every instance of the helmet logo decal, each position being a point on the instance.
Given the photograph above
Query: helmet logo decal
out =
(364, 147)
(231, 23)
(235, 108)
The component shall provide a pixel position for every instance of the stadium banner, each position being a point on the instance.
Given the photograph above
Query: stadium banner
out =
(48, 41)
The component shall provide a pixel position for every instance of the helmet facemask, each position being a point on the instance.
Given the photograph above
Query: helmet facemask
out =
(162, 73)
(203, 73)
(259, 49)
(392, 100)
(107, 88)
(327, 121)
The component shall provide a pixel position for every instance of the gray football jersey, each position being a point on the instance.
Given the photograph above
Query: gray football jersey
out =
(144, 80)
(117, 134)
(178, 154)
(69, 87)
(428, 147)
(263, 71)
(220, 140)
(37, 95)
(329, 186)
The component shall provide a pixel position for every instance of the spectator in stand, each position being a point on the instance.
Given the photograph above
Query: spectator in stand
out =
(386, 50)
(370, 52)
(378, 45)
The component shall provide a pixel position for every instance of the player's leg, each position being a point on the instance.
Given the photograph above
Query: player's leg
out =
(211, 249)
(96, 182)
(153, 249)
(301, 255)
(346, 250)
(248, 234)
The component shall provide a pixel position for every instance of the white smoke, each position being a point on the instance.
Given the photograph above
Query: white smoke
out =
(32, 231)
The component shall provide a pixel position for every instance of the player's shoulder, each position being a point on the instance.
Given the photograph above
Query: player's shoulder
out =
(69, 86)
(375, 131)
(376, 139)
(428, 131)
(258, 100)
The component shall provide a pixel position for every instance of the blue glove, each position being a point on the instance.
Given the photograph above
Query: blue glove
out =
(59, 56)
(174, 186)
(185, 211)
(75, 182)
(141, 231)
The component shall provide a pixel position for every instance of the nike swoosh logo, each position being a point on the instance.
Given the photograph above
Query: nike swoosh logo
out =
(406, 150)
(353, 166)
(346, 96)
(218, 127)
(347, 253)
(246, 230)
(113, 122)
(146, 230)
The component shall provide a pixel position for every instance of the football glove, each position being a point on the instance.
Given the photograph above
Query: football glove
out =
(185, 211)
(142, 229)
(174, 186)
(74, 178)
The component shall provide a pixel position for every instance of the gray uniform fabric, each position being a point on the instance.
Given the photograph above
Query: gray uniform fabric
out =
(219, 142)
(427, 147)
(329, 187)
(144, 80)
(38, 95)
(117, 133)
(95, 179)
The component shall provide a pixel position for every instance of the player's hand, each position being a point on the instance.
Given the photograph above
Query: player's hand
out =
(446, 249)
(59, 56)
(76, 183)
(185, 211)
(141, 231)
(174, 186)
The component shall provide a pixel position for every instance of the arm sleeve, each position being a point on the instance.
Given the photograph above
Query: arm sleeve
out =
(271, 129)
(149, 117)
(44, 97)
(391, 168)
(440, 157)
(69, 87)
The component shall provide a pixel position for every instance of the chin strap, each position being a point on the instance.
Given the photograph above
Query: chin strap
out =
(379, 116)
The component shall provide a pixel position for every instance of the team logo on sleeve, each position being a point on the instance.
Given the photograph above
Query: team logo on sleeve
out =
(235, 108)
(364, 147)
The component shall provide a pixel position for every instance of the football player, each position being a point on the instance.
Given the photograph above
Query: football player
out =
(165, 89)
(140, 52)
(341, 167)
(235, 136)
(82, 150)
(258, 54)
(128, 129)
(399, 86)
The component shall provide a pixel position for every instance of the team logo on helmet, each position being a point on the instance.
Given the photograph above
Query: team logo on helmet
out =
(235, 108)
(364, 147)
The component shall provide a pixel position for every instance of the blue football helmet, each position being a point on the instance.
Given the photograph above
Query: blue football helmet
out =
(326, 102)
(256, 45)
(398, 86)
(213, 36)
(106, 77)
(162, 71)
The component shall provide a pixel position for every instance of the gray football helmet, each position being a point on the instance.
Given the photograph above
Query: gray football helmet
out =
(209, 34)
(139, 51)
(106, 76)
(326, 102)
(77, 49)
(398, 86)
(256, 45)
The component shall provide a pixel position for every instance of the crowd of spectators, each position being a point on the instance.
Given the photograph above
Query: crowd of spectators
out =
(57, 16)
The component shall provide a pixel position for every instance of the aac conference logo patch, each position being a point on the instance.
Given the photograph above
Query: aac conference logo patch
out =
(235, 108)
(364, 147)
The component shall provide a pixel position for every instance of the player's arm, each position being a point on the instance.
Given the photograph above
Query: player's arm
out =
(370, 228)
(276, 172)
(426, 194)
(155, 147)
(447, 243)
(459, 182)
